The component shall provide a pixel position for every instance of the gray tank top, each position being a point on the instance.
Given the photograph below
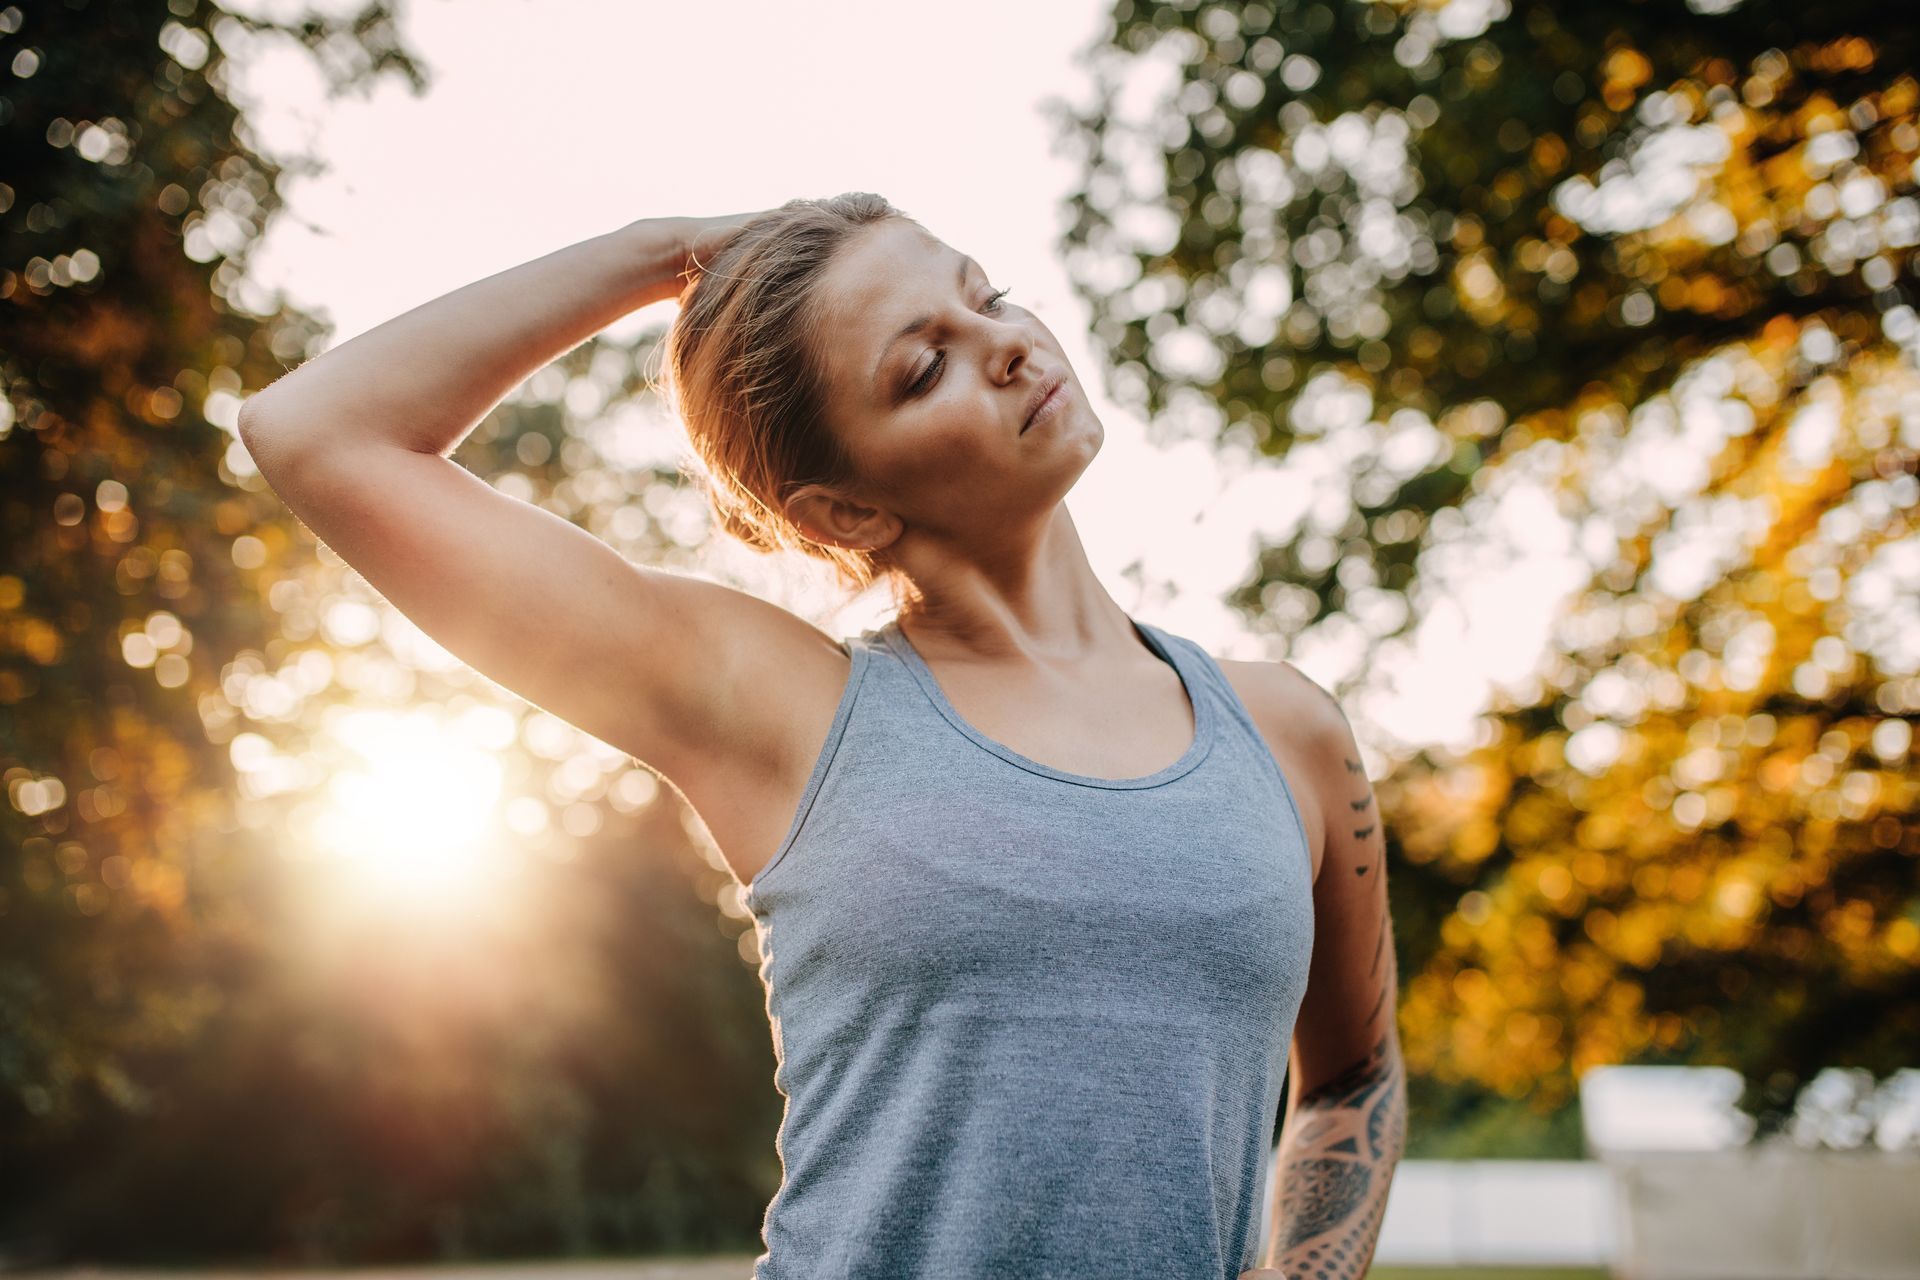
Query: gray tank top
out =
(1027, 1023)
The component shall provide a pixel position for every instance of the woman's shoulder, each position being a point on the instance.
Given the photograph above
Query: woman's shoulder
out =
(1281, 691)
(1306, 731)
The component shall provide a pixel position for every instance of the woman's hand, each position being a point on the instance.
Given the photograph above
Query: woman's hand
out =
(701, 238)
(1264, 1273)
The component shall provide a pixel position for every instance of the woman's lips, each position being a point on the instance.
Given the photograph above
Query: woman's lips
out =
(1047, 407)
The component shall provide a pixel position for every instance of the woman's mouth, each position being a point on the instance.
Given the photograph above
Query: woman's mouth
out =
(1049, 405)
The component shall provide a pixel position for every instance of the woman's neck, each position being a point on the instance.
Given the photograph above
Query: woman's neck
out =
(1050, 607)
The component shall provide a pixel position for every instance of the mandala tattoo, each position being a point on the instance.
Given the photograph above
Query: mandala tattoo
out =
(1325, 1195)
(1337, 1161)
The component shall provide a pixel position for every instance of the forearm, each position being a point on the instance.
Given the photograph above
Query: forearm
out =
(1337, 1157)
(427, 377)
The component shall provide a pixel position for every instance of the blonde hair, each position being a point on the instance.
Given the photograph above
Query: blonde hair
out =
(745, 373)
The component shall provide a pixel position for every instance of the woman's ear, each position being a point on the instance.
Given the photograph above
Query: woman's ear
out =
(830, 518)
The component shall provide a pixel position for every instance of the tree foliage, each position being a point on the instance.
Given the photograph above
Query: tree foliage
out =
(1627, 281)
(221, 1032)
(127, 200)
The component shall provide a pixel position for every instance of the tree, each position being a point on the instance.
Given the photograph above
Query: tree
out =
(204, 1050)
(1643, 272)
(127, 536)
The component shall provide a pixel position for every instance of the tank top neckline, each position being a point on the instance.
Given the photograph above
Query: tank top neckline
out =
(896, 640)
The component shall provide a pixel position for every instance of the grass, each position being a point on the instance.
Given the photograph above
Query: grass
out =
(1491, 1273)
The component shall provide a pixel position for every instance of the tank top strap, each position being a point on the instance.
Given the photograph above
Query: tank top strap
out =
(1203, 675)
(860, 656)
(1234, 713)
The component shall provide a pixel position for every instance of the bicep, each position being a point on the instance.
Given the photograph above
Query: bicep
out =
(1347, 1015)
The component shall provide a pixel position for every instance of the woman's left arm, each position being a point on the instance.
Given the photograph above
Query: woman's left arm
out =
(1347, 1111)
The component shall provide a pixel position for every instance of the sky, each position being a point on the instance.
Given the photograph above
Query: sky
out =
(551, 123)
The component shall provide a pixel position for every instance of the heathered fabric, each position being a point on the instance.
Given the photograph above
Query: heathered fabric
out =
(1028, 1023)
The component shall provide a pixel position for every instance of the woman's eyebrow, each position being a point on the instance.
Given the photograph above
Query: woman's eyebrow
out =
(916, 325)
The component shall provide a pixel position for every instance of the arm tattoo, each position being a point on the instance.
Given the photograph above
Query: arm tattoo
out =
(1341, 1146)
(1336, 1163)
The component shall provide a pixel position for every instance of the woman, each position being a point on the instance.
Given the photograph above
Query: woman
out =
(1044, 894)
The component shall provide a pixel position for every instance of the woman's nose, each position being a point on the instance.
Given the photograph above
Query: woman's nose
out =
(1014, 349)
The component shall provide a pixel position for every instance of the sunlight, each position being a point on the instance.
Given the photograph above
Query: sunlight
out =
(414, 817)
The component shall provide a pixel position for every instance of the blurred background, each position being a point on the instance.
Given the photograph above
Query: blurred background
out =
(1543, 380)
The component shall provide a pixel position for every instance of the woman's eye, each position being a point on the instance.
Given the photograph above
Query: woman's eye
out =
(925, 380)
(928, 378)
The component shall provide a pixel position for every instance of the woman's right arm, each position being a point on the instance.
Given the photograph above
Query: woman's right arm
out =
(682, 673)
(425, 379)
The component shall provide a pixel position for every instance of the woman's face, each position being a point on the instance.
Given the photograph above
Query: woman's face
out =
(929, 380)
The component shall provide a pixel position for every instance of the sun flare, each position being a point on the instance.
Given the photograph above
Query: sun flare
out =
(417, 815)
